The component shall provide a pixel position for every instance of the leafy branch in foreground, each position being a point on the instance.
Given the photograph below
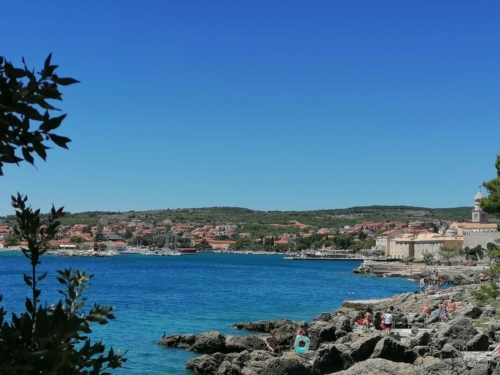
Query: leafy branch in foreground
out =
(43, 340)
(52, 340)
(24, 98)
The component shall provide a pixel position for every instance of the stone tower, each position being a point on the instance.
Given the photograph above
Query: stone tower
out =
(478, 215)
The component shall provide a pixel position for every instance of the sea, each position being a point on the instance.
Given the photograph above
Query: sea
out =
(193, 294)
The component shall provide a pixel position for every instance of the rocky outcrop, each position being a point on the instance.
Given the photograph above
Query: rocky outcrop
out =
(290, 364)
(390, 349)
(470, 311)
(363, 269)
(336, 347)
(206, 364)
(332, 358)
(320, 332)
(478, 343)
(209, 342)
(382, 367)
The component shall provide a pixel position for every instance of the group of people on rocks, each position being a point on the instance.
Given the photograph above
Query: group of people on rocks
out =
(444, 310)
(434, 286)
(272, 341)
(387, 320)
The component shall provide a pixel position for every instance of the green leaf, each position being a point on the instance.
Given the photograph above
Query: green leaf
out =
(64, 81)
(47, 61)
(40, 278)
(27, 280)
(29, 306)
(60, 141)
(52, 123)
(27, 156)
(40, 150)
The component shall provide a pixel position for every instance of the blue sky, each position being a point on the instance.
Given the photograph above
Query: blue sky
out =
(308, 105)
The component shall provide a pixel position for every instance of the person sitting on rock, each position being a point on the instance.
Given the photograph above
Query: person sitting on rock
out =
(272, 342)
(443, 313)
(426, 309)
(368, 319)
(452, 306)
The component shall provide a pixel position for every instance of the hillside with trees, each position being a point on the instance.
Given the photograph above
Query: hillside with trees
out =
(280, 220)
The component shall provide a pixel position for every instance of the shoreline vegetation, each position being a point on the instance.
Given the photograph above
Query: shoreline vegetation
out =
(460, 341)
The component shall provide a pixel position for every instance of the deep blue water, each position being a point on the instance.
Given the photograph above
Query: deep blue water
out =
(194, 294)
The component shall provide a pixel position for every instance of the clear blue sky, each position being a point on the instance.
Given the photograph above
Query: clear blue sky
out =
(258, 104)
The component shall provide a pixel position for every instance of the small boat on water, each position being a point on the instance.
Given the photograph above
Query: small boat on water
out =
(188, 250)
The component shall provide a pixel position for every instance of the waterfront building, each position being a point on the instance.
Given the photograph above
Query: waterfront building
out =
(411, 245)
(382, 241)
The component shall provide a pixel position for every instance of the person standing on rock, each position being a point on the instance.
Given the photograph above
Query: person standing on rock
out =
(437, 279)
(422, 285)
(387, 319)
(481, 278)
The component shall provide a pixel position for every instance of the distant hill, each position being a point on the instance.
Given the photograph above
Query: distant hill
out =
(329, 218)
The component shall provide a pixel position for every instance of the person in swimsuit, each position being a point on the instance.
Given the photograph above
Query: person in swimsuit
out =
(271, 342)
(368, 319)
(437, 279)
(426, 309)
(481, 278)
(452, 306)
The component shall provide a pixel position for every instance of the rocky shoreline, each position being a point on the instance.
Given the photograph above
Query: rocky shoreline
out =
(448, 274)
(420, 343)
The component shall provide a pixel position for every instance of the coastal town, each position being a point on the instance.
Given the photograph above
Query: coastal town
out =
(416, 240)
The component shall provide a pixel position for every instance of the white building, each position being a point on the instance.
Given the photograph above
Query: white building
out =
(415, 246)
(382, 241)
(479, 231)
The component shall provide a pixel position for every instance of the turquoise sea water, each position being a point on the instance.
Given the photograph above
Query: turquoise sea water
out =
(194, 294)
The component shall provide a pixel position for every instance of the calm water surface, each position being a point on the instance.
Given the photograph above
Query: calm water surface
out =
(194, 294)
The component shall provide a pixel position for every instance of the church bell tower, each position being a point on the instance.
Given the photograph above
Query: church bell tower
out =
(478, 215)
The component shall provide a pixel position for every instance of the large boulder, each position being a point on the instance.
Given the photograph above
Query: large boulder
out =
(255, 362)
(236, 344)
(478, 343)
(170, 341)
(332, 357)
(390, 349)
(456, 333)
(209, 342)
(437, 366)
(206, 364)
(431, 319)
(363, 347)
(186, 341)
(448, 351)
(422, 338)
(339, 319)
(470, 311)
(321, 332)
(228, 368)
(289, 364)
(382, 367)
(488, 313)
